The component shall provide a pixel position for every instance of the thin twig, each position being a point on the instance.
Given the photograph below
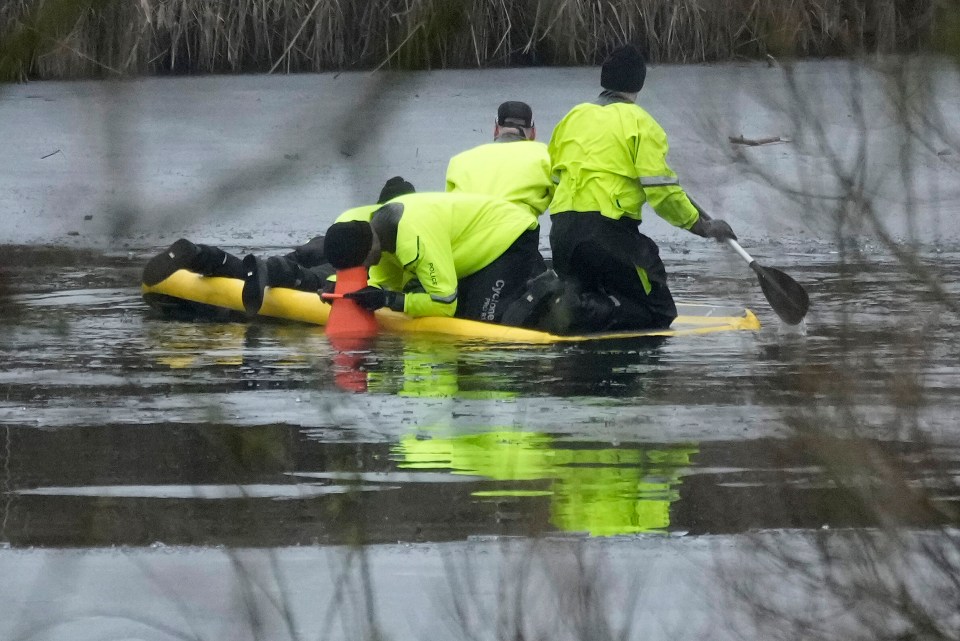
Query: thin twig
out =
(293, 40)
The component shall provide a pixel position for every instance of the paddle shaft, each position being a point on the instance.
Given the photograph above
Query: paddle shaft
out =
(740, 250)
(786, 296)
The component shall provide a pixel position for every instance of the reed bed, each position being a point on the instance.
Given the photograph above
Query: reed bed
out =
(80, 38)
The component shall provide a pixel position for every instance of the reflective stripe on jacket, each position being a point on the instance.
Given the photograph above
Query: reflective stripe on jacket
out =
(518, 171)
(443, 237)
(613, 158)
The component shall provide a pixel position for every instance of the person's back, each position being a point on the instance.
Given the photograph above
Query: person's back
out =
(443, 254)
(306, 267)
(462, 231)
(515, 167)
(610, 158)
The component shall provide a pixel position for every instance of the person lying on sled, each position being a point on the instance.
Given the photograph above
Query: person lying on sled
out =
(465, 255)
(305, 268)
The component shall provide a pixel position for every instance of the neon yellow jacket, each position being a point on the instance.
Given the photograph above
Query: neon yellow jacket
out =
(518, 171)
(363, 212)
(613, 158)
(443, 237)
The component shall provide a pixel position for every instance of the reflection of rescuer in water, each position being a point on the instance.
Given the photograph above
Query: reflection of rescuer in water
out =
(605, 491)
(609, 158)
(441, 254)
(514, 166)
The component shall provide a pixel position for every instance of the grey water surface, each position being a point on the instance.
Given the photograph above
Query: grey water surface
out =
(164, 479)
(125, 428)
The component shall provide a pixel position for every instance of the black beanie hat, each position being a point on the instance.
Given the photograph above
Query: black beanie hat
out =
(514, 113)
(623, 70)
(394, 187)
(347, 244)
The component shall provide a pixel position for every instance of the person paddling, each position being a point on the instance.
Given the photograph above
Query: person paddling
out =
(608, 159)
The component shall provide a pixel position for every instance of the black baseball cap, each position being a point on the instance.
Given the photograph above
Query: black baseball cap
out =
(514, 113)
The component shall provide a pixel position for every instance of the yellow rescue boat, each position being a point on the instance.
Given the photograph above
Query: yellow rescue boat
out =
(186, 294)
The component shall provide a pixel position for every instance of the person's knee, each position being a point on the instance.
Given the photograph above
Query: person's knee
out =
(643, 313)
(527, 309)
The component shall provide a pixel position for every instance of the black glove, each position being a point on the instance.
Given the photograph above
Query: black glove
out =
(713, 228)
(327, 287)
(373, 298)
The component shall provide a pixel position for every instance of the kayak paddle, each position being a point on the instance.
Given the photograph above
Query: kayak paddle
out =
(786, 296)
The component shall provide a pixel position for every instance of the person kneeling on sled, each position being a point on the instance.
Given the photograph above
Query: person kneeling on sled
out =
(444, 254)
(515, 166)
(609, 158)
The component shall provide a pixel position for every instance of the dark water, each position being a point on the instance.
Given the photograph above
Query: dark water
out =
(119, 427)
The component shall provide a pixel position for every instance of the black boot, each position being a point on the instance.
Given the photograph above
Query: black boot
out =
(310, 254)
(254, 284)
(561, 310)
(527, 310)
(180, 255)
(282, 271)
(573, 311)
(636, 315)
(597, 313)
(213, 261)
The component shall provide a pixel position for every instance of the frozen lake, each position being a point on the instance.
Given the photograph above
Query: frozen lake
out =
(167, 480)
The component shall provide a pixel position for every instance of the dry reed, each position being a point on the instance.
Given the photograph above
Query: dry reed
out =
(77, 38)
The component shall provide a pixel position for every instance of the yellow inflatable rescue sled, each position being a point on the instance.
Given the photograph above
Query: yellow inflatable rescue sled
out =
(185, 294)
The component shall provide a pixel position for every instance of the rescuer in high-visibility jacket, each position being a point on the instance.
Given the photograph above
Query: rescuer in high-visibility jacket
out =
(468, 255)
(306, 268)
(518, 171)
(608, 159)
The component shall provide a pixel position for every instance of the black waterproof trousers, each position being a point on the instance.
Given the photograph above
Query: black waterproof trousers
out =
(486, 294)
(611, 258)
(304, 268)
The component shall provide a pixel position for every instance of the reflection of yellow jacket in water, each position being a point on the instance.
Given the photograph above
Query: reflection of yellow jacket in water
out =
(430, 370)
(601, 491)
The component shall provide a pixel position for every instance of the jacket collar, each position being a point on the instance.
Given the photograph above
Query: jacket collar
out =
(509, 135)
(608, 97)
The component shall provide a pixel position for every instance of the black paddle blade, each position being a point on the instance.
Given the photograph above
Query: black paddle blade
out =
(785, 295)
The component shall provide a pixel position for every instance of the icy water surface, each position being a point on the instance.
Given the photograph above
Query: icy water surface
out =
(164, 480)
(121, 428)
